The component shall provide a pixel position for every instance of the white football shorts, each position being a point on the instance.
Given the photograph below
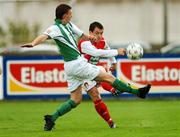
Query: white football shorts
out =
(89, 84)
(79, 70)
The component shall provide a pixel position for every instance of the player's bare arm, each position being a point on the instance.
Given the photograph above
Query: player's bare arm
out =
(40, 39)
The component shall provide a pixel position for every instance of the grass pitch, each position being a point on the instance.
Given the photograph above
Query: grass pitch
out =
(135, 118)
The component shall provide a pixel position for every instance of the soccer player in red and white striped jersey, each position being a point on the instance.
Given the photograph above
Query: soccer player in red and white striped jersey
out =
(93, 51)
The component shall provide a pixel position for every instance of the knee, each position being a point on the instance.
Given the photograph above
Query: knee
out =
(94, 95)
(77, 100)
(107, 77)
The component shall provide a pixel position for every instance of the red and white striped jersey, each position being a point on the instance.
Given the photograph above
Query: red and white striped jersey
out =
(93, 51)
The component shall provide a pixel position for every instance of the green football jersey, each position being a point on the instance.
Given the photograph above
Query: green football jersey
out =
(65, 37)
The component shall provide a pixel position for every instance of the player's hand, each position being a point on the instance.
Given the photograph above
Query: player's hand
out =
(92, 38)
(28, 45)
(113, 67)
(121, 51)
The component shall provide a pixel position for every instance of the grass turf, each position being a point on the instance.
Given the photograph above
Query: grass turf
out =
(135, 118)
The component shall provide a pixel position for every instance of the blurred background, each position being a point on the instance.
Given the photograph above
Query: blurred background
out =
(152, 23)
(33, 81)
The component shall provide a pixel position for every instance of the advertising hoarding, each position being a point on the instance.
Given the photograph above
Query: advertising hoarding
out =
(35, 76)
(163, 74)
(31, 77)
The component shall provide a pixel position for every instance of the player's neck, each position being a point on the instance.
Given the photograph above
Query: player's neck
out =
(63, 22)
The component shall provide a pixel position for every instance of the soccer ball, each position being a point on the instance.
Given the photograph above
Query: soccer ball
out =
(134, 51)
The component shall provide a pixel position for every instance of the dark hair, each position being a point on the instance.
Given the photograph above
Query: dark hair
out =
(61, 10)
(94, 25)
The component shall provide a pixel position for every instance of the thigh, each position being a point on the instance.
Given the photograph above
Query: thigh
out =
(76, 95)
(105, 77)
(102, 68)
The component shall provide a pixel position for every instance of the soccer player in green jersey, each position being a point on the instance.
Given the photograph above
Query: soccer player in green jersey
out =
(77, 69)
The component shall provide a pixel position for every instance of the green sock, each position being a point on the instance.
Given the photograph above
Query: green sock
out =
(122, 87)
(63, 109)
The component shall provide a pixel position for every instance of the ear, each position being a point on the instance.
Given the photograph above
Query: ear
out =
(64, 16)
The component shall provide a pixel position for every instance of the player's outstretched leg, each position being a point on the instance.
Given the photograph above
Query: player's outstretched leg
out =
(123, 87)
(143, 91)
(106, 86)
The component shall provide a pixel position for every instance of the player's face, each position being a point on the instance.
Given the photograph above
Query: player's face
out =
(68, 16)
(98, 33)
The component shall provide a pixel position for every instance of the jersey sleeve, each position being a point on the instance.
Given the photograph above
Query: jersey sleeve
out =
(76, 30)
(52, 31)
(112, 59)
(88, 48)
